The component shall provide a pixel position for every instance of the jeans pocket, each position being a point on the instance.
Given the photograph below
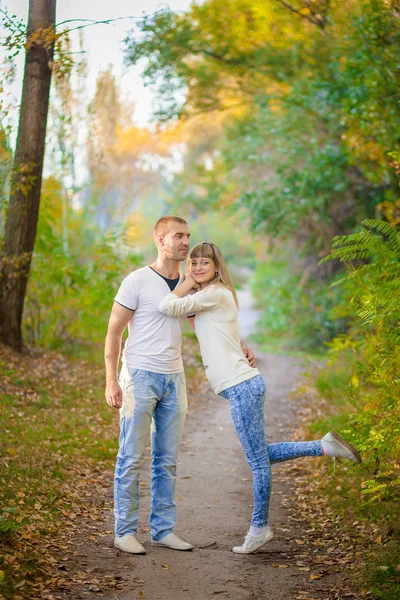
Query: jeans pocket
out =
(135, 374)
(257, 385)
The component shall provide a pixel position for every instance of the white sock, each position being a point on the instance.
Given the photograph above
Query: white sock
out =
(327, 448)
(257, 530)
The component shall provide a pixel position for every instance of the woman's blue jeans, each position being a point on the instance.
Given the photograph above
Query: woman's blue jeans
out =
(247, 409)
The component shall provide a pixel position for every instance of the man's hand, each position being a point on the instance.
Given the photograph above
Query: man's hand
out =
(249, 355)
(114, 394)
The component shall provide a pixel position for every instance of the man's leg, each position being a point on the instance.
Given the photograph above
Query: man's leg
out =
(139, 402)
(169, 418)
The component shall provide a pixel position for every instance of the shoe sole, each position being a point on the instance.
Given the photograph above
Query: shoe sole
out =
(349, 447)
(268, 539)
(171, 547)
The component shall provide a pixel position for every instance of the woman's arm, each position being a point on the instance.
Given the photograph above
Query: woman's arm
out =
(183, 288)
(175, 306)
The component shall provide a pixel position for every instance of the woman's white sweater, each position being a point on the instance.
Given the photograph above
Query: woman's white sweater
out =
(217, 329)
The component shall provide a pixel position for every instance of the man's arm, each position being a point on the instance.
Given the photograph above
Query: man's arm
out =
(119, 319)
(248, 354)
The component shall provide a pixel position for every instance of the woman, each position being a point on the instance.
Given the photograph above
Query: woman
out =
(229, 373)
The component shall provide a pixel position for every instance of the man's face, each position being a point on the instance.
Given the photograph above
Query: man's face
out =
(175, 243)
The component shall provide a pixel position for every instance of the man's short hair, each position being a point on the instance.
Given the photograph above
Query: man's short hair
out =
(162, 224)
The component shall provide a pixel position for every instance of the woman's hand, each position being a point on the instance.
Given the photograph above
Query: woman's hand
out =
(185, 286)
(195, 285)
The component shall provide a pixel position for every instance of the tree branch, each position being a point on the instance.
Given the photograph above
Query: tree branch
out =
(90, 22)
(315, 19)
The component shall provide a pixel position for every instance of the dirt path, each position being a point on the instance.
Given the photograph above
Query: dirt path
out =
(214, 508)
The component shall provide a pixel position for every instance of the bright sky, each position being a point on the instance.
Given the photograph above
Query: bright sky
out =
(104, 42)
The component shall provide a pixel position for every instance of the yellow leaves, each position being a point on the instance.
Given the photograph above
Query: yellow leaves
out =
(23, 179)
(136, 141)
(360, 147)
(355, 381)
(391, 211)
(300, 542)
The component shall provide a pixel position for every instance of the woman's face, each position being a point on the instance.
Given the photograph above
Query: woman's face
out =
(203, 269)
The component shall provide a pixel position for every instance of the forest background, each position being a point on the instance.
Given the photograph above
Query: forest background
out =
(276, 134)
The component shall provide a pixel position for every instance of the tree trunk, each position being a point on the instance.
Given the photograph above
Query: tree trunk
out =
(23, 209)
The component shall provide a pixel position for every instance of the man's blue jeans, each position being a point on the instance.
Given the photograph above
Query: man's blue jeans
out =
(247, 409)
(156, 400)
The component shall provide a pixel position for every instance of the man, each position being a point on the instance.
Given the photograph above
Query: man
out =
(151, 389)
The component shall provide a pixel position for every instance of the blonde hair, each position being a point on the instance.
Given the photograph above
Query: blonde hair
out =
(211, 251)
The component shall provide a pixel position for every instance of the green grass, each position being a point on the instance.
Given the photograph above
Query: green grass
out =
(382, 574)
(54, 426)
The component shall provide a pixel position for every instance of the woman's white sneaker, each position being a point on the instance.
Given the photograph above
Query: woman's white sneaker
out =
(253, 542)
(334, 445)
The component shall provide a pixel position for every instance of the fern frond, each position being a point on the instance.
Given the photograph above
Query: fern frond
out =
(387, 230)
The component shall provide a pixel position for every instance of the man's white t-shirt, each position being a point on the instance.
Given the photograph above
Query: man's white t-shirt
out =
(217, 329)
(154, 341)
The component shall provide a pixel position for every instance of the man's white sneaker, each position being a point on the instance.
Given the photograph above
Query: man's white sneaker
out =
(336, 446)
(172, 541)
(253, 542)
(128, 543)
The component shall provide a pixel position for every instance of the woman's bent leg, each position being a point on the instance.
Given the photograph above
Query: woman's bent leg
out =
(283, 451)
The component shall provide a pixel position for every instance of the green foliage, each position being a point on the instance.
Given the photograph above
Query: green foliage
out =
(311, 151)
(214, 48)
(70, 295)
(296, 307)
(374, 337)
(314, 163)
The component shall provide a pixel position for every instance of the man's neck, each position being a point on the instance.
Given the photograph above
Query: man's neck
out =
(167, 267)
